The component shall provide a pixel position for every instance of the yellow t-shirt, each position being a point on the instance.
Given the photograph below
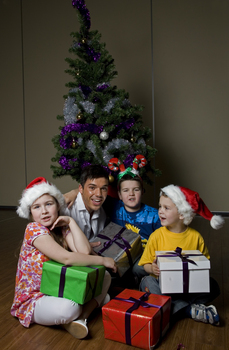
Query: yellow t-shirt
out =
(163, 239)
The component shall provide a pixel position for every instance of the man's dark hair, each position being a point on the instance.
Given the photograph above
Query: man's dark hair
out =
(93, 172)
(131, 178)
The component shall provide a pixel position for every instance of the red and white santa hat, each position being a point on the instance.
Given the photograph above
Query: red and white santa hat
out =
(188, 200)
(33, 191)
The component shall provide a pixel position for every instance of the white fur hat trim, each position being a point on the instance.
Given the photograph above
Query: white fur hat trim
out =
(178, 198)
(31, 194)
(217, 222)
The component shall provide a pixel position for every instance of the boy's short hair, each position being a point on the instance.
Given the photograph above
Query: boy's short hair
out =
(182, 206)
(93, 172)
(131, 178)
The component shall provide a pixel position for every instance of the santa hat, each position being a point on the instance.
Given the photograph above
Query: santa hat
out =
(33, 191)
(188, 201)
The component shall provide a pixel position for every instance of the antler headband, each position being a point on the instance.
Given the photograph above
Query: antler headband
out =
(138, 162)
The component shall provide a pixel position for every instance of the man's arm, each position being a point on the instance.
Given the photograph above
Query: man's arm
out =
(70, 197)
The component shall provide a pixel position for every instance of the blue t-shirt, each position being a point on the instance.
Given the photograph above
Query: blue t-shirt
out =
(146, 219)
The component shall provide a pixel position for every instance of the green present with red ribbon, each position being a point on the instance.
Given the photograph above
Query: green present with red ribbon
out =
(77, 283)
(136, 318)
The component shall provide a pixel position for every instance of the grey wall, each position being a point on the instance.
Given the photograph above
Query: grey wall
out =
(190, 86)
(191, 71)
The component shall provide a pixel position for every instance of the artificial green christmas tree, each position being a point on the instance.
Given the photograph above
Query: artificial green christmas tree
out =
(100, 122)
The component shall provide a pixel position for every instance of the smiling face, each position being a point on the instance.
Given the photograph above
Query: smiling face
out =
(44, 210)
(130, 193)
(169, 215)
(94, 193)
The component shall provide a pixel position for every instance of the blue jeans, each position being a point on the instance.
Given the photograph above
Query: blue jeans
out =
(181, 301)
(131, 278)
(138, 271)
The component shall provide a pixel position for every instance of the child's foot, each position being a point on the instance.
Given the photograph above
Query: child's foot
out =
(206, 314)
(77, 328)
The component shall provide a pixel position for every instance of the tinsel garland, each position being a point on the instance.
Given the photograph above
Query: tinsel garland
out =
(92, 128)
(71, 109)
(79, 128)
(80, 141)
(142, 143)
(64, 162)
(117, 143)
(103, 86)
(95, 129)
(89, 107)
(110, 104)
(92, 147)
(129, 160)
(81, 7)
(106, 155)
(66, 143)
(125, 125)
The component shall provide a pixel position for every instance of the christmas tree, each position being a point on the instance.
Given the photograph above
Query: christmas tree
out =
(100, 122)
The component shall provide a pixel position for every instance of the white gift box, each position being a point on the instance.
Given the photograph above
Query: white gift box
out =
(172, 270)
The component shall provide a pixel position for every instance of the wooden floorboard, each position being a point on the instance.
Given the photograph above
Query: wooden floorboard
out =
(194, 335)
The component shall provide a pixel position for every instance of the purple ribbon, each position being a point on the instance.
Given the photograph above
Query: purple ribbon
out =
(137, 303)
(185, 261)
(96, 279)
(126, 246)
(62, 280)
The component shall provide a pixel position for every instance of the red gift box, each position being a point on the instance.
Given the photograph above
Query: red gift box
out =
(136, 318)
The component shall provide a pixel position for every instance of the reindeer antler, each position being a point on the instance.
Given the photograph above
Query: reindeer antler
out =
(115, 165)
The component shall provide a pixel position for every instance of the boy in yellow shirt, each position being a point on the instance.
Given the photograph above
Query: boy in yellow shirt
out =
(177, 207)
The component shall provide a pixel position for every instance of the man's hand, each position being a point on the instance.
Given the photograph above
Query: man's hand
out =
(70, 197)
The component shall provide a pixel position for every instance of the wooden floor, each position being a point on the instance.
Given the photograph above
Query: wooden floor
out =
(193, 335)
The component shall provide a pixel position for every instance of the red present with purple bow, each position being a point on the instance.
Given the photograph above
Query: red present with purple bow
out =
(136, 318)
(121, 244)
(184, 271)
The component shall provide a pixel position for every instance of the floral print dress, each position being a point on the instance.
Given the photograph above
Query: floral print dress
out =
(28, 276)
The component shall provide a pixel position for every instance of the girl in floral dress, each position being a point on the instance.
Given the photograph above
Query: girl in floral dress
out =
(50, 236)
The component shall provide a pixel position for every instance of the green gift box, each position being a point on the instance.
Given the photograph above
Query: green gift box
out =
(77, 283)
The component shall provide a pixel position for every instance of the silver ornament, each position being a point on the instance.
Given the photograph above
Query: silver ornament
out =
(104, 135)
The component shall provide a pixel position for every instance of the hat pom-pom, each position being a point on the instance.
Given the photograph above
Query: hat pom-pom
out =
(217, 222)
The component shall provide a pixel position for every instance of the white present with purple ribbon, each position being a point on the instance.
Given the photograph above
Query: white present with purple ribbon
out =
(184, 271)
(121, 244)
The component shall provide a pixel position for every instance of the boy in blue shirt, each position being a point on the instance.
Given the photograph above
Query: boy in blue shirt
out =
(131, 213)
